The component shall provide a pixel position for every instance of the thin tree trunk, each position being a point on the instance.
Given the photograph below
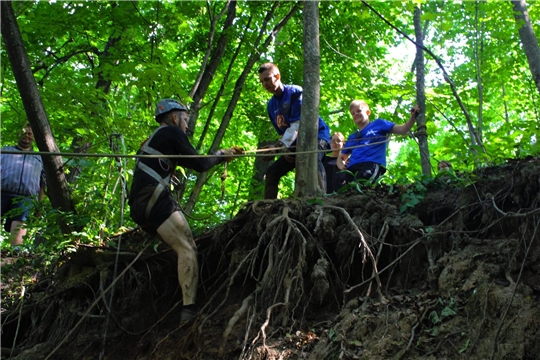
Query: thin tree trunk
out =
(211, 68)
(181, 189)
(528, 39)
(306, 184)
(505, 103)
(254, 57)
(213, 21)
(33, 105)
(475, 140)
(479, 51)
(421, 95)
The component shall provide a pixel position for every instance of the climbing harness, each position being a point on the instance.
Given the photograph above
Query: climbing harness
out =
(163, 183)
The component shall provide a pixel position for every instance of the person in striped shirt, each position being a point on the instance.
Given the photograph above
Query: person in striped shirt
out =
(22, 179)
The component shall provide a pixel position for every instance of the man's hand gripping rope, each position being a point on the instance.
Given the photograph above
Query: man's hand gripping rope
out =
(273, 149)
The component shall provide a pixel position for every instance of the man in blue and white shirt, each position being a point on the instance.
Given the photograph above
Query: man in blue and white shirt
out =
(22, 178)
(284, 110)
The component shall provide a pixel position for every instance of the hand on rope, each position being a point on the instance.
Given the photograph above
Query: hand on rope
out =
(235, 150)
(271, 149)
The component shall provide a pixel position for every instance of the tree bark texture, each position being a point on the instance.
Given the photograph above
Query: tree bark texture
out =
(528, 39)
(421, 95)
(57, 186)
(306, 164)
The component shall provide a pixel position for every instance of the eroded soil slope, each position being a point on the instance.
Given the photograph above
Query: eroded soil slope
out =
(447, 269)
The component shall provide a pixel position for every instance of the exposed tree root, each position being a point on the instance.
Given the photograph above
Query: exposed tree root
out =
(281, 269)
(96, 301)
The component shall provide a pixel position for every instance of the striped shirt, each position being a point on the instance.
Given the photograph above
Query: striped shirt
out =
(21, 174)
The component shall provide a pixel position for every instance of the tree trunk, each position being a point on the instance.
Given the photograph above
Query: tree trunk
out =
(475, 139)
(478, 52)
(213, 23)
(254, 57)
(306, 164)
(202, 86)
(528, 39)
(33, 105)
(421, 95)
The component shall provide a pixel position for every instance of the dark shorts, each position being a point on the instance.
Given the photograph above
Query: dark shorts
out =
(162, 209)
(18, 207)
(367, 170)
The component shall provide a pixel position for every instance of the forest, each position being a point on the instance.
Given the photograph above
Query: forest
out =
(100, 68)
(87, 76)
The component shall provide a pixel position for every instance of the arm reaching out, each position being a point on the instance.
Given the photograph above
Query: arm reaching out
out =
(342, 161)
(404, 128)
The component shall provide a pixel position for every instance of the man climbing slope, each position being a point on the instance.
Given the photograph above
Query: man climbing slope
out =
(151, 202)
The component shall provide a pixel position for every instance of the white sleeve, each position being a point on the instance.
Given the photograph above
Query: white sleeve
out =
(290, 134)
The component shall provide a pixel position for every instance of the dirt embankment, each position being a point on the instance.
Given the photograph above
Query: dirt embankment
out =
(445, 269)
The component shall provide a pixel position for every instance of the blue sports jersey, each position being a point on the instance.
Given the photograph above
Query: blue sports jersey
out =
(288, 108)
(373, 141)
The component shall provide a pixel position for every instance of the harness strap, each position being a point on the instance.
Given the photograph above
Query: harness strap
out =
(163, 183)
(151, 151)
(155, 195)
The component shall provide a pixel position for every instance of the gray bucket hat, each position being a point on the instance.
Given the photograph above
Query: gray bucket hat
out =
(166, 105)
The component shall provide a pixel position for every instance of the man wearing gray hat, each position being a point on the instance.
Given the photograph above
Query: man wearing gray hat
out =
(152, 205)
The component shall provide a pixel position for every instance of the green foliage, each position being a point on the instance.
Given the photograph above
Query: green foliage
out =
(438, 315)
(414, 193)
(101, 67)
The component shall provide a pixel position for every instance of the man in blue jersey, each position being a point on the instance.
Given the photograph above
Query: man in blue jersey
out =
(22, 179)
(364, 153)
(284, 109)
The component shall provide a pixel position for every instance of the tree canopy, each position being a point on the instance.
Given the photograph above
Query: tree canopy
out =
(102, 66)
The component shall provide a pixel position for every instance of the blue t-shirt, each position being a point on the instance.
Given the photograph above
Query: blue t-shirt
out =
(373, 141)
(289, 105)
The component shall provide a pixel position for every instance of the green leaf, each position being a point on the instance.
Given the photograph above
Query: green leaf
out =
(447, 312)
(434, 317)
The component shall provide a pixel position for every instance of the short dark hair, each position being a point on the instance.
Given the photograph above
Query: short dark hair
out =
(268, 66)
(167, 116)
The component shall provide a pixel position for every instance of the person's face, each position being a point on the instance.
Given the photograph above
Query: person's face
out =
(26, 138)
(181, 120)
(336, 142)
(360, 115)
(270, 80)
(443, 167)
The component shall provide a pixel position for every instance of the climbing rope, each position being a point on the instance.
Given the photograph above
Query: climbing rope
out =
(246, 153)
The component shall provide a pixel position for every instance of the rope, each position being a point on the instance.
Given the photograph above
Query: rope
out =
(263, 152)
